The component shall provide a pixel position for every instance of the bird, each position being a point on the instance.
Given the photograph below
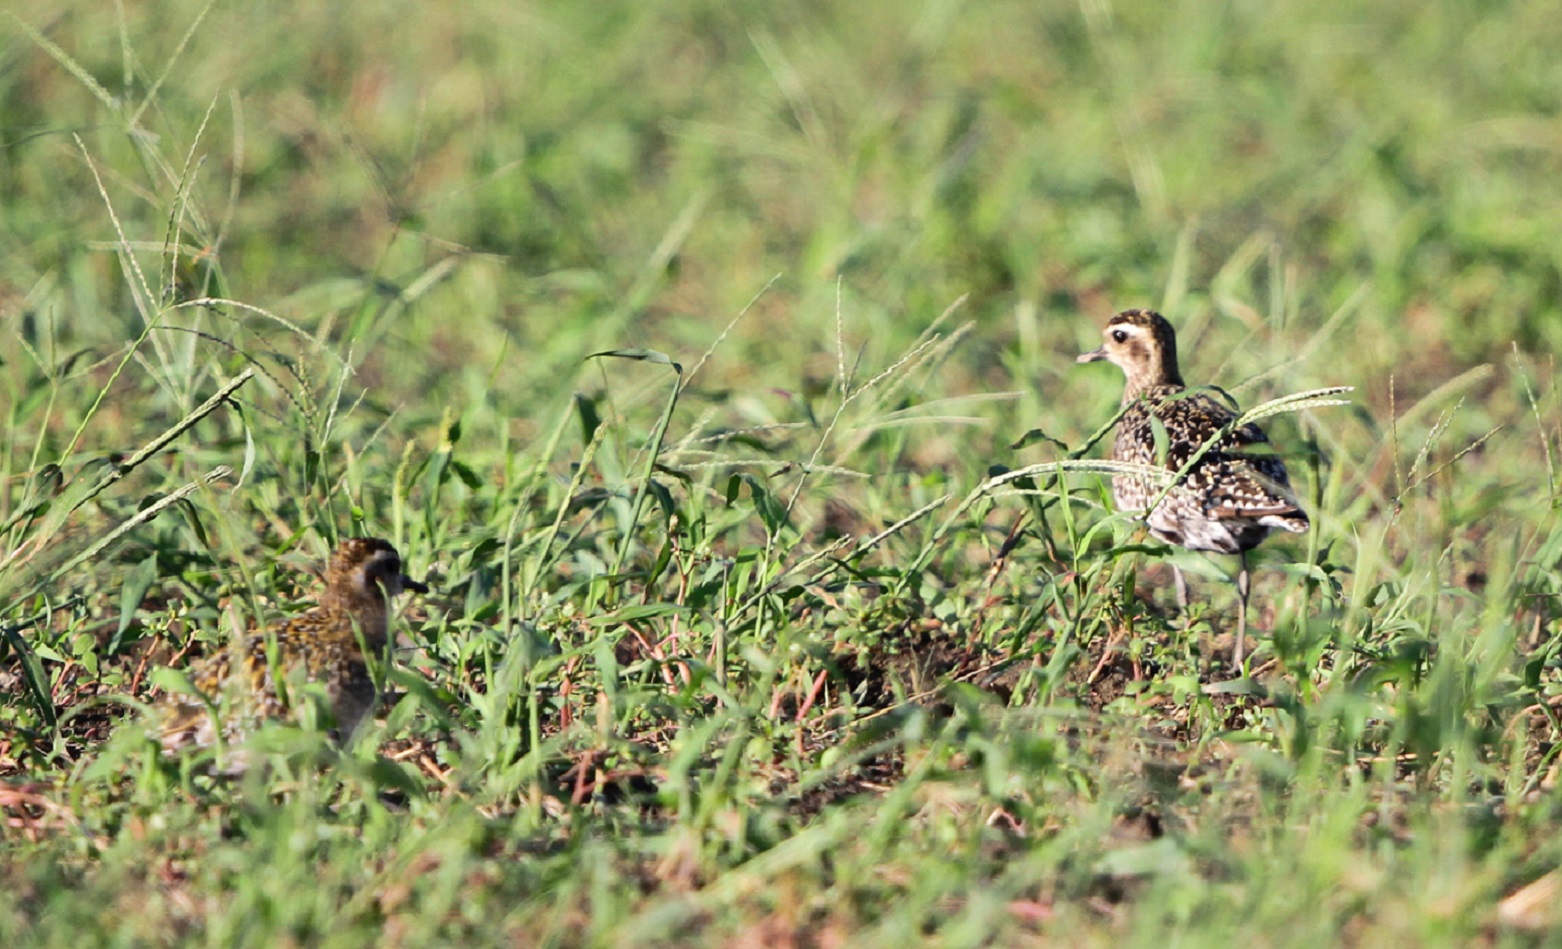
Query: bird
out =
(1234, 494)
(329, 644)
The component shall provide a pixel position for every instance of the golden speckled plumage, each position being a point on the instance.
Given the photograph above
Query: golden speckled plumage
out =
(1233, 496)
(326, 645)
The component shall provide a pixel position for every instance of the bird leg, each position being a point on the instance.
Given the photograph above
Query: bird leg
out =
(1242, 591)
(1181, 583)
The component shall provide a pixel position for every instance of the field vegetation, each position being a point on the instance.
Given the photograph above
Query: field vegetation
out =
(714, 363)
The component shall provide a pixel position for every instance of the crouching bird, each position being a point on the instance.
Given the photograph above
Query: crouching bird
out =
(330, 644)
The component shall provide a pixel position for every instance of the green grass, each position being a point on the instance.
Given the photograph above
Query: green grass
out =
(763, 646)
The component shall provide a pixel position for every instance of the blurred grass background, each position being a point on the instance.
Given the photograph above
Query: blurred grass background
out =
(717, 715)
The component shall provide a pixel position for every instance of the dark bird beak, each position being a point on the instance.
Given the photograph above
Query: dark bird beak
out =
(1095, 355)
(407, 583)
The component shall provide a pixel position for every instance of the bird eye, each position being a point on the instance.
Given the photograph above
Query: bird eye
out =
(1119, 336)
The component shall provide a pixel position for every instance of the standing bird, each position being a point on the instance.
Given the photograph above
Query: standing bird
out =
(1230, 500)
(329, 644)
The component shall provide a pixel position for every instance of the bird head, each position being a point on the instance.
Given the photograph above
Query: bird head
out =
(1143, 345)
(369, 567)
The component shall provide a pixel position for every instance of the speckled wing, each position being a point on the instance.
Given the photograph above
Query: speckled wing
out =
(1230, 482)
(185, 720)
(243, 695)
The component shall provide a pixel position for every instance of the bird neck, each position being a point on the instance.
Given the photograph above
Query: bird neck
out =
(1148, 361)
(1146, 383)
(367, 610)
